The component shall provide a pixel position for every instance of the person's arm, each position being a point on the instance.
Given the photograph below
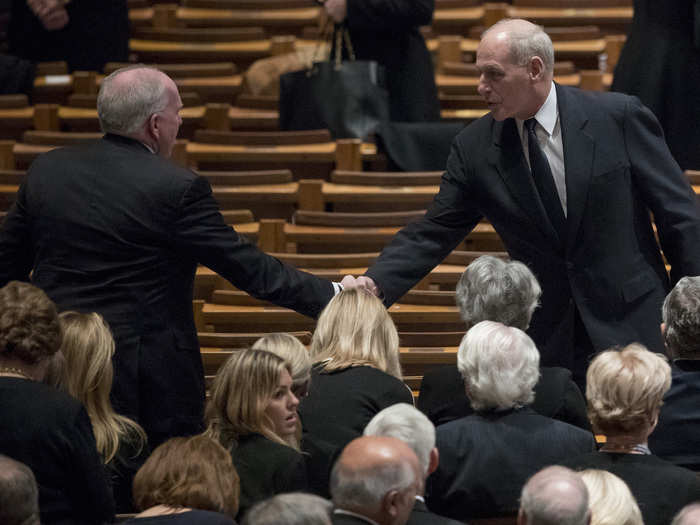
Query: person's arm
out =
(16, 254)
(421, 245)
(381, 15)
(664, 189)
(200, 232)
(51, 13)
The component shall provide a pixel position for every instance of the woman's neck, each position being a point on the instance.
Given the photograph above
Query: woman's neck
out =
(627, 443)
(161, 510)
(21, 369)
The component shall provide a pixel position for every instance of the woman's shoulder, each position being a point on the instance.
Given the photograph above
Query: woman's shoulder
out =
(260, 445)
(191, 517)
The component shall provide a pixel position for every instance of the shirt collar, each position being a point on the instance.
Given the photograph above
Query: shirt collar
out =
(547, 115)
(355, 514)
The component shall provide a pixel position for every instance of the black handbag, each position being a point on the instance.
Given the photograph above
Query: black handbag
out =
(347, 97)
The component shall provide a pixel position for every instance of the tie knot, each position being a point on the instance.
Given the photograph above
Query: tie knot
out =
(530, 124)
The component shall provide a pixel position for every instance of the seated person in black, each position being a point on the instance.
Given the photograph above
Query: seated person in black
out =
(44, 428)
(492, 289)
(676, 437)
(253, 413)
(87, 349)
(188, 481)
(485, 458)
(624, 389)
(355, 348)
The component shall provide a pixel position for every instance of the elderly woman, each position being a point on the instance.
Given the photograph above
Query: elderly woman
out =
(45, 429)
(624, 390)
(610, 500)
(491, 289)
(486, 458)
(187, 481)
(356, 374)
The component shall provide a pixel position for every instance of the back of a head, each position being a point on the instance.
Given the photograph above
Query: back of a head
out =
(525, 41)
(356, 329)
(625, 388)
(194, 472)
(19, 495)
(293, 508)
(292, 351)
(689, 515)
(555, 496)
(610, 500)
(500, 366)
(491, 289)
(681, 317)
(407, 423)
(29, 328)
(128, 97)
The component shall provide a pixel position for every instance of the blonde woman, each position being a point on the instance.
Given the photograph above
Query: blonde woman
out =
(291, 350)
(610, 500)
(253, 413)
(87, 348)
(356, 374)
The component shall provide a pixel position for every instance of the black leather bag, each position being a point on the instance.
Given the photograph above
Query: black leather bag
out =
(348, 97)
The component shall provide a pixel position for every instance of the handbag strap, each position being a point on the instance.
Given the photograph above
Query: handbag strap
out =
(341, 40)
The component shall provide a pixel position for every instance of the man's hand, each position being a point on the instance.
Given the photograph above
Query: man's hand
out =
(51, 13)
(336, 9)
(361, 282)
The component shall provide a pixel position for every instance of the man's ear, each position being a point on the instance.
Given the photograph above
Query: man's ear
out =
(434, 460)
(536, 68)
(153, 125)
(391, 503)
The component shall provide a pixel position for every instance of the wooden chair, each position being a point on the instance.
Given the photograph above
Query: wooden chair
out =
(17, 116)
(387, 178)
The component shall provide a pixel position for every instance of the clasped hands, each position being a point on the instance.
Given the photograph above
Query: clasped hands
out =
(361, 282)
(51, 13)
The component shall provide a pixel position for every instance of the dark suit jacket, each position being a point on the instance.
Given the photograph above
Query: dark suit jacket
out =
(486, 458)
(422, 516)
(443, 399)
(112, 228)
(609, 268)
(344, 519)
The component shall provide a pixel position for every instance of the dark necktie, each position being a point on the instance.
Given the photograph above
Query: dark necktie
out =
(544, 181)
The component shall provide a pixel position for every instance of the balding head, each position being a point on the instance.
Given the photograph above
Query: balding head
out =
(378, 477)
(524, 39)
(19, 496)
(141, 103)
(554, 496)
(689, 515)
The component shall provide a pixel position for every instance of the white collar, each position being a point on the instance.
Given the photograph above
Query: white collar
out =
(355, 514)
(547, 115)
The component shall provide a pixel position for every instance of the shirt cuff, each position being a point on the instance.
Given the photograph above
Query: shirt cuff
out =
(337, 288)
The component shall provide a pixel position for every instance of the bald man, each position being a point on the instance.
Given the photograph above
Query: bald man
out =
(689, 515)
(113, 226)
(554, 495)
(375, 480)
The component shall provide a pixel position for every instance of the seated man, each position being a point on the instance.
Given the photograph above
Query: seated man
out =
(677, 435)
(374, 481)
(492, 289)
(19, 495)
(487, 457)
(554, 495)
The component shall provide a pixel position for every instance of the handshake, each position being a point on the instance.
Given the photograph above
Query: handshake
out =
(361, 282)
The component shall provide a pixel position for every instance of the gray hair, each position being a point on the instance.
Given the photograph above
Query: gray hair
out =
(555, 496)
(491, 289)
(294, 508)
(609, 499)
(19, 495)
(525, 41)
(124, 107)
(407, 423)
(689, 515)
(358, 488)
(500, 366)
(681, 315)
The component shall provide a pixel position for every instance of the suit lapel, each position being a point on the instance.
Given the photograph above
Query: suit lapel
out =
(506, 155)
(579, 148)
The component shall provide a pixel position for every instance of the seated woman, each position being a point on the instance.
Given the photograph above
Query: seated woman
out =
(356, 374)
(610, 500)
(487, 457)
(291, 350)
(44, 428)
(187, 480)
(87, 375)
(253, 413)
(624, 390)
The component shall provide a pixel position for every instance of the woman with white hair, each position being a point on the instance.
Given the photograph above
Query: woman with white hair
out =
(487, 457)
(624, 390)
(610, 500)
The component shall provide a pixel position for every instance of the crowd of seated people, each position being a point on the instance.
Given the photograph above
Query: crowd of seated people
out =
(284, 422)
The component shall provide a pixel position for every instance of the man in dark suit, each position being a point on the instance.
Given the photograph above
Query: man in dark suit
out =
(579, 218)
(375, 480)
(403, 421)
(114, 227)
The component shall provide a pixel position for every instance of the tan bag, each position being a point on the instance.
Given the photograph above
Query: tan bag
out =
(263, 76)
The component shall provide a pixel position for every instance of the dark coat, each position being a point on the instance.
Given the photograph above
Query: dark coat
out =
(422, 516)
(109, 227)
(609, 268)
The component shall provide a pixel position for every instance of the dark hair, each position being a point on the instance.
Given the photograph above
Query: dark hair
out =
(29, 327)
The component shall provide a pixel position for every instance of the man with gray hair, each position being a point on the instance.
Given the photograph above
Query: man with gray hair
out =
(493, 289)
(19, 495)
(375, 480)
(405, 422)
(487, 457)
(290, 508)
(113, 226)
(677, 434)
(554, 496)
